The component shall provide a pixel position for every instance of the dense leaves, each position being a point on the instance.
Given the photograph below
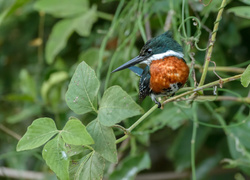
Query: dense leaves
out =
(50, 48)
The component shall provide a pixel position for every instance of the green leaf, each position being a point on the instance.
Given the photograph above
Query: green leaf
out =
(172, 116)
(84, 23)
(62, 30)
(238, 143)
(74, 132)
(89, 55)
(54, 153)
(117, 105)
(38, 133)
(62, 8)
(29, 111)
(203, 169)
(131, 166)
(245, 78)
(76, 151)
(104, 140)
(54, 79)
(83, 89)
(9, 7)
(27, 83)
(241, 11)
(58, 38)
(90, 167)
(242, 132)
(246, 1)
(180, 151)
(5, 7)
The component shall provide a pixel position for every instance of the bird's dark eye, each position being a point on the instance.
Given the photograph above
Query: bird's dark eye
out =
(149, 50)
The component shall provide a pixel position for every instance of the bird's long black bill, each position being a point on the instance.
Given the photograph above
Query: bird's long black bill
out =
(130, 63)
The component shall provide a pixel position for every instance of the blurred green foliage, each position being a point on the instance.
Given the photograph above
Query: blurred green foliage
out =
(42, 42)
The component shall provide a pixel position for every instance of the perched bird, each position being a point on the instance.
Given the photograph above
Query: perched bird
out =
(166, 71)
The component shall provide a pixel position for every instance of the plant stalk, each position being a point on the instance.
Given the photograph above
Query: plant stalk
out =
(211, 44)
(194, 132)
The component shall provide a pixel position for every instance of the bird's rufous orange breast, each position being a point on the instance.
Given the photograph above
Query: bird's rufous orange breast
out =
(166, 71)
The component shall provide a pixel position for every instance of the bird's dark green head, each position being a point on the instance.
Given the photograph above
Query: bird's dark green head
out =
(154, 49)
(160, 44)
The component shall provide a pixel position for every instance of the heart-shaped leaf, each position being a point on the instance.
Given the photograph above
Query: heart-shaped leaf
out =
(245, 78)
(38, 133)
(131, 166)
(117, 105)
(241, 11)
(62, 8)
(74, 132)
(83, 90)
(104, 140)
(90, 167)
(58, 38)
(84, 23)
(54, 153)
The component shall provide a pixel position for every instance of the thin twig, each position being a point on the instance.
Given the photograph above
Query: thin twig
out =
(216, 72)
(225, 80)
(10, 132)
(192, 66)
(40, 36)
(222, 98)
(20, 174)
(147, 27)
(179, 175)
(191, 4)
(204, 3)
(168, 20)
(222, 68)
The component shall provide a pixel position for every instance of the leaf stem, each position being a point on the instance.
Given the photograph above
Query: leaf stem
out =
(194, 132)
(105, 16)
(89, 147)
(122, 128)
(223, 98)
(136, 124)
(121, 139)
(142, 118)
(211, 44)
(222, 68)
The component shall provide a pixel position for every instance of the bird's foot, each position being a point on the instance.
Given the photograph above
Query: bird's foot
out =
(153, 97)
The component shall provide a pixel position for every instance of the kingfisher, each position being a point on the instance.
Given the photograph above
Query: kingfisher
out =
(166, 70)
